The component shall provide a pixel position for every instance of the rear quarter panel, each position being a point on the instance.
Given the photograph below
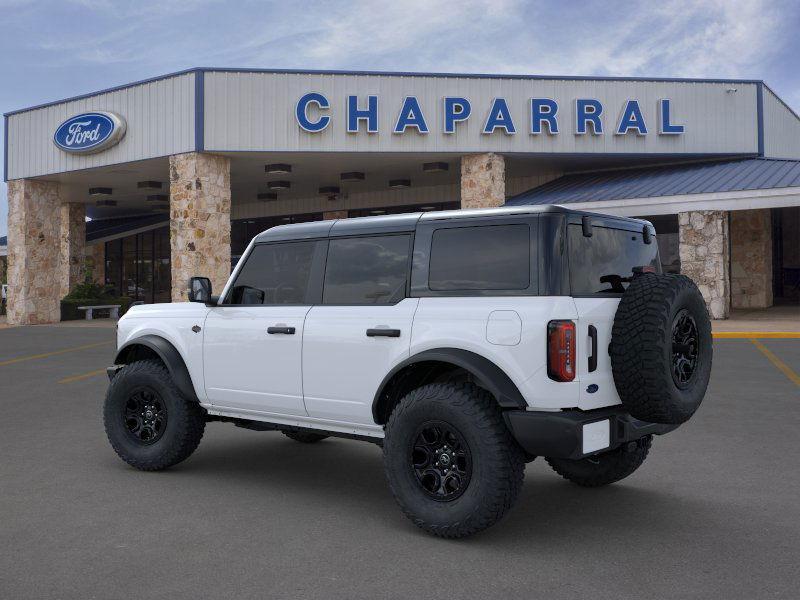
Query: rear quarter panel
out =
(462, 323)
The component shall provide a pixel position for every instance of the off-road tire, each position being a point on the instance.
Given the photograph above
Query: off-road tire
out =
(498, 463)
(642, 348)
(185, 419)
(605, 468)
(306, 437)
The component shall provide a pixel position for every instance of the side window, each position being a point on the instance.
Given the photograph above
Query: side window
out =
(274, 274)
(603, 263)
(489, 257)
(367, 270)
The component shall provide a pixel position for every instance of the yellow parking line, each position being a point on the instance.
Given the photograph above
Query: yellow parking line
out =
(54, 353)
(781, 366)
(749, 335)
(82, 376)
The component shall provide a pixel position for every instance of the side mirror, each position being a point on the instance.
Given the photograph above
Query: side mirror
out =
(200, 289)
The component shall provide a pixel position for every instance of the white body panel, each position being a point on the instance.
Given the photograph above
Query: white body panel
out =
(248, 368)
(462, 323)
(342, 367)
(327, 374)
(600, 313)
(174, 323)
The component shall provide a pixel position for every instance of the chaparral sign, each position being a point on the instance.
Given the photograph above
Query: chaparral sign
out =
(90, 132)
(588, 116)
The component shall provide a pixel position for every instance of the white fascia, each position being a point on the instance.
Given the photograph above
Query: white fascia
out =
(670, 205)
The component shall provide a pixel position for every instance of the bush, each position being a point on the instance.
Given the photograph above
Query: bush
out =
(89, 293)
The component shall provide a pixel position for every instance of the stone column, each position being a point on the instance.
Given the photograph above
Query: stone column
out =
(703, 248)
(72, 238)
(200, 220)
(751, 258)
(483, 180)
(329, 215)
(33, 252)
(96, 256)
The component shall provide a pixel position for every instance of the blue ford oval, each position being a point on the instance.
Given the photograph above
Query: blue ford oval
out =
(89, 132)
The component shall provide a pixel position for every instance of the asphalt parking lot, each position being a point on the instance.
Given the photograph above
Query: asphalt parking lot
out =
(713, 513)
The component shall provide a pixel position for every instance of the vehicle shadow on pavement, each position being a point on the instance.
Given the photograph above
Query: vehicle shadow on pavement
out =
(550, 513)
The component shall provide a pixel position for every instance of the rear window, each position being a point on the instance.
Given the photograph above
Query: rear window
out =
(493, 257)
(603, 263)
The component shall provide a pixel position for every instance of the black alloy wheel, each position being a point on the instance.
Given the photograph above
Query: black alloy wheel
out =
(441, 461)
(145, 416)
(661, 348)
(150, 424)
(685, 348)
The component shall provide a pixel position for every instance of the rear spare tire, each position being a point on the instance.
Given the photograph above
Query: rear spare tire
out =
(661, 348)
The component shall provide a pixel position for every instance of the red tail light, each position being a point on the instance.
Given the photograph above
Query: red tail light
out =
(561, 350)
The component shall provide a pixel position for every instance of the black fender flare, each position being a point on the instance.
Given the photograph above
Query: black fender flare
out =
(168, 354)
(490, 375)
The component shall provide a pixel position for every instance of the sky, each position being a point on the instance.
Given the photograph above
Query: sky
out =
(56, 49)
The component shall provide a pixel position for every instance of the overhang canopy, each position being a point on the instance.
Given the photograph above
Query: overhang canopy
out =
(743, 184)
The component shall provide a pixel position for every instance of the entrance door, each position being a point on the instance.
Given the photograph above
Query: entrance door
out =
(253, 341)
(362, 328)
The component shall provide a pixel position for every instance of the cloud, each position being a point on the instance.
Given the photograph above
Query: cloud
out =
(46, 52)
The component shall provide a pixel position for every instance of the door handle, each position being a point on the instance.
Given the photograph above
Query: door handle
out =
(281, 329)
(383, 333)
(593, 356)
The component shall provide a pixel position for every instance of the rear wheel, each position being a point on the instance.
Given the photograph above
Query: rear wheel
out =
(306, 437)
(148, 422)
(603, 469)
(451, 463)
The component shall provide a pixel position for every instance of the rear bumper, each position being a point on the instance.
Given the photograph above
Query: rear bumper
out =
(564, 434)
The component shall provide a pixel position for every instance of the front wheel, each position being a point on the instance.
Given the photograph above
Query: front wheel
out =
(451, 463)
(149, 423)
(603, 469)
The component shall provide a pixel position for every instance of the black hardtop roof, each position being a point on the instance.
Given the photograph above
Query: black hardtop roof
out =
(407, 222)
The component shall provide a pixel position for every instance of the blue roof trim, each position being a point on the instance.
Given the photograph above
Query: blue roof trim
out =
(199, 110)
(666, 180)
(383, 74)
(5, 147)
(760, 117)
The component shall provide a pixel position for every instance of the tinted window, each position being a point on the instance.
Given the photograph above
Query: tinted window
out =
(604, 262)
(275, 274)
(495, 257)
(368, 270)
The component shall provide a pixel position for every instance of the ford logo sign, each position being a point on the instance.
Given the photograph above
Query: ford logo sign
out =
(90, 132)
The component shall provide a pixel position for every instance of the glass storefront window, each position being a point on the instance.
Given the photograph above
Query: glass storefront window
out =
(138, 266)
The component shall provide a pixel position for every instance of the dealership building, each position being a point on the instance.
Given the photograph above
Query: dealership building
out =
(144, 185)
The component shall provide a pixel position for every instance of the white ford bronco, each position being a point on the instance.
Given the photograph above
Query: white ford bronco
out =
(465, 343)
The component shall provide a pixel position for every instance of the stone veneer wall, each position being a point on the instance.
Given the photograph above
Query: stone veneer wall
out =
(483, 180)
(33, 252)
(200, 220)
(96, 257)
(751, 258)
(72, 241)
(703, 248)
